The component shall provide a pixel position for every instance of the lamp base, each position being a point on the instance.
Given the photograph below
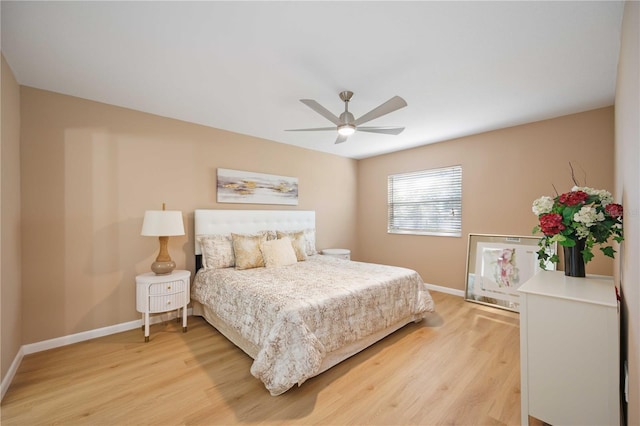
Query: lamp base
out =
(163, 268)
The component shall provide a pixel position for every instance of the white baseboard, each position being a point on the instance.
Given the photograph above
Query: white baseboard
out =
(447, 290)
(11, 372)
(76, 338)
(80, 337)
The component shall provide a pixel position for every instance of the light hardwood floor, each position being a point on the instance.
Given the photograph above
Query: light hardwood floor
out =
(458, 367)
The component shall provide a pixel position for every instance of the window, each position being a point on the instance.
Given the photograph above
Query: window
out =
(427, 202)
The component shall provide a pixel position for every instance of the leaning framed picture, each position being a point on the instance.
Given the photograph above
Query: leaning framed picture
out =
(497, 265)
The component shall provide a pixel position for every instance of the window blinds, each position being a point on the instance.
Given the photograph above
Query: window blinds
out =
(426, 202)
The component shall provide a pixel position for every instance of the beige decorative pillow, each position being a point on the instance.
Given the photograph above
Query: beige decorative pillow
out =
(247, 250)
(297, 241)
(217, 251)
(278, 253)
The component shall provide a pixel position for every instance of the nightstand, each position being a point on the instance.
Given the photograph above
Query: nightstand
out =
(162, 293)
(337, 252)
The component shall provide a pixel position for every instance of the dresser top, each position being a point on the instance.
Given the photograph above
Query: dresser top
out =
(596, 289)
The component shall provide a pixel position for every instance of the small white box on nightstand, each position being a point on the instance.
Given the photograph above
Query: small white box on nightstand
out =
(338, 252)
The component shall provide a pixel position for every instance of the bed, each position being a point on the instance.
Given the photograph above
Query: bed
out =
(298, 313)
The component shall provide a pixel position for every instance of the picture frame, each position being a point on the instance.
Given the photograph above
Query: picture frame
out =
(237, 186)
(497, 265)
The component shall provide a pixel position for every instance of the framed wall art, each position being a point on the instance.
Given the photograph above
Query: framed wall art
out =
(236, 186)
(497, 265)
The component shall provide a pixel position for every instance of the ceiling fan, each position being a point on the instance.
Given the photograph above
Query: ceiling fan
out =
(347, 125)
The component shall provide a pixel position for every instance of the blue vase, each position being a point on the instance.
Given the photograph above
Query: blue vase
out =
(573, 260)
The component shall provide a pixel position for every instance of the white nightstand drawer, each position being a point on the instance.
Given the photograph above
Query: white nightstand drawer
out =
(169, 287)
(166, 302)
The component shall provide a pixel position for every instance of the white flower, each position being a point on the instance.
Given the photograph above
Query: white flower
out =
(589, 191)
(604, 195)
(542, 205)
(582, 232)
(588, 216)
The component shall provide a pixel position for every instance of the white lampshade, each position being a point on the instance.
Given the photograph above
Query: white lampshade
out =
(162, 223)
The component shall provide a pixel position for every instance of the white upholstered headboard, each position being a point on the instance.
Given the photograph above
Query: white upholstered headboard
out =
(211, 222)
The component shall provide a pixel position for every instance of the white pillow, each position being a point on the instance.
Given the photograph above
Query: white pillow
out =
(278, 253)
(217, 251)
(310, 241)
(297, 241)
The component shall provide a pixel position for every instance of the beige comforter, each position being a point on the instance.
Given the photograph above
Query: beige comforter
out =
(298, 313)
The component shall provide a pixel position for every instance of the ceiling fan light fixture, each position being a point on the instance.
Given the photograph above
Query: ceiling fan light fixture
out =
(346, 129)
(347, 125)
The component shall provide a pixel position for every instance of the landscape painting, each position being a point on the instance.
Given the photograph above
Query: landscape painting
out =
(236, 186)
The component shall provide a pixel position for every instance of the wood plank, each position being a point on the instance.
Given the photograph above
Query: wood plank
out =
(459, 366)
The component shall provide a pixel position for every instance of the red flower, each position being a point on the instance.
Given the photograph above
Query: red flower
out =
(613, 210)
(551, 224)
(572, 198)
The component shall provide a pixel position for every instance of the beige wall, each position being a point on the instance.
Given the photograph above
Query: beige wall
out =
(503, 172)
(90, 170)
(10, 284)
(627, 158)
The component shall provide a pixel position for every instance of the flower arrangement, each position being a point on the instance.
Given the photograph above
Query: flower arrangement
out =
(582, 214)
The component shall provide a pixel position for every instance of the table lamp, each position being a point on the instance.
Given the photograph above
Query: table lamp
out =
(162, 224)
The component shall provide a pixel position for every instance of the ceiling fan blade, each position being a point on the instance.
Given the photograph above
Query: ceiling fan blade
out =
(384, 130)
(391, 105)
(310, 130)
(321, 110)
(341, 138)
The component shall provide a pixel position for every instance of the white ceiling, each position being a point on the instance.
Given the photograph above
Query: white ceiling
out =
(462, 67)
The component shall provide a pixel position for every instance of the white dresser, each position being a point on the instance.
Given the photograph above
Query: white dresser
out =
(569, 350)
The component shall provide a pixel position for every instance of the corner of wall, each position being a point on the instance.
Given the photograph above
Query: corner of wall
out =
(10, 235)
